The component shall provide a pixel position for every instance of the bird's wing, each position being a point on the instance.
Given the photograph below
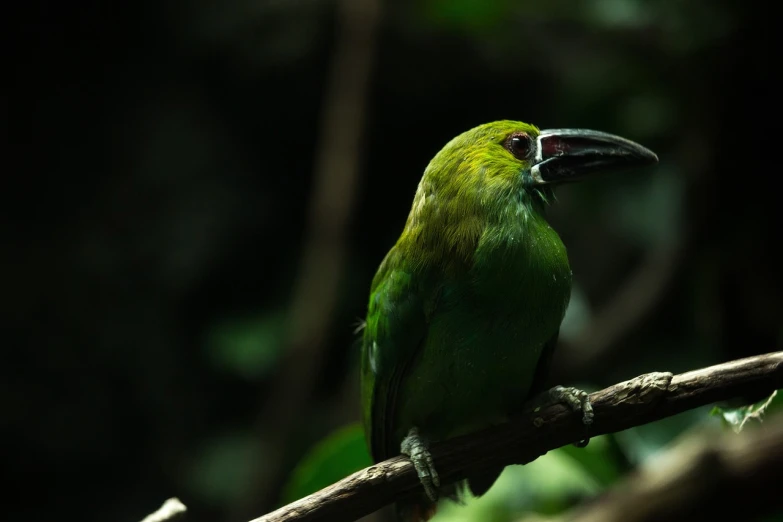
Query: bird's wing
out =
(480, 483)
(541, 376)
(393, 334)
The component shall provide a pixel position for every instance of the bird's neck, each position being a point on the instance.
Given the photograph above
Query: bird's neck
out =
(447, 232)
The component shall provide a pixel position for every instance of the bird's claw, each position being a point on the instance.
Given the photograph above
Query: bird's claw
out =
(577, 400)
(417, 449)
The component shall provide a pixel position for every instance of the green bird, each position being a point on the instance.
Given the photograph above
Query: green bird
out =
(465, 309)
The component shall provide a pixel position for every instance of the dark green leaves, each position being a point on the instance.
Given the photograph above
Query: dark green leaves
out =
(341, 453)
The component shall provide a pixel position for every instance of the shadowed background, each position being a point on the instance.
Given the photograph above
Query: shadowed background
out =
(198, 195)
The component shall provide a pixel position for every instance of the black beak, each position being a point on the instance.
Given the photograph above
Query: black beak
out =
(566, 155)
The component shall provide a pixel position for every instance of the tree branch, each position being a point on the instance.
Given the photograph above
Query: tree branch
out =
(646, 398)
(171, 510)
(737, 470)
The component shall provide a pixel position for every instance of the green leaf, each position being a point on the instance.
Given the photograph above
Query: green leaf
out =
(643, 442)
(597, 459)
(247, 346)
(338, 455)
(738, 418)
(550, 484)
(223, 468)
(619, 13)
(473, 15)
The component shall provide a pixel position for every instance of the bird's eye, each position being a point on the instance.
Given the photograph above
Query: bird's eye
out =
(519, 145)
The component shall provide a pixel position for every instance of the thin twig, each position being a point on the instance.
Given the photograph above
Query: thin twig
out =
(644, 399)
(756, 413)
(171, 510)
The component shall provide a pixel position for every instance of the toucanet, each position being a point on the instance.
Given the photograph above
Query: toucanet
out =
(465, 309)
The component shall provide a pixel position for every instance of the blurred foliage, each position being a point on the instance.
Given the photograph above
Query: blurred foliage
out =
(552, 483)
(248, 347)
(162, 159)
(738, 418)
(341, 453)
(548, 485)
(643, 443)
(222, 470)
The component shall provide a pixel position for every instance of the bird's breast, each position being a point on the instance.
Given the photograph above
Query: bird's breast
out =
(523, 269)
(488, 331)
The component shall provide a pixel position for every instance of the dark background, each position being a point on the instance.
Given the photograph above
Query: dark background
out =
(187, 251)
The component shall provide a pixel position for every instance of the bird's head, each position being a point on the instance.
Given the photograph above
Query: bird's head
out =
(502, 173)
(507, 157)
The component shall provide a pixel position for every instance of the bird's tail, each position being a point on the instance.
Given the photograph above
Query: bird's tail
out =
(481, 482)
(420, 508)
(415, 509)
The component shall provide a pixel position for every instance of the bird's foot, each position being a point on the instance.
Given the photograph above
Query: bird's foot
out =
(417, 449)
(577, 400)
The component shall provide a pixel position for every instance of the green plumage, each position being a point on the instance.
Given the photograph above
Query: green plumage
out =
(464, 304)
(465, 308)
